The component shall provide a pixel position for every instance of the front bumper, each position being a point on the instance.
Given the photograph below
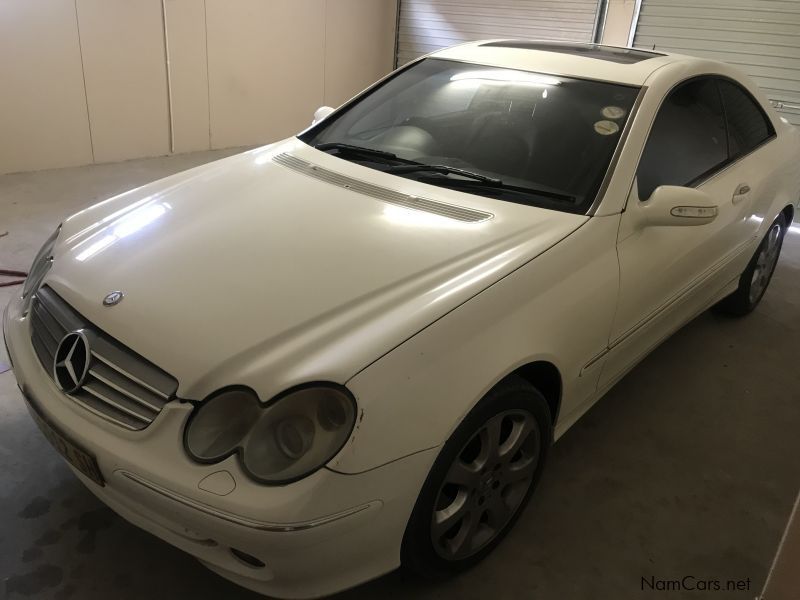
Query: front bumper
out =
(316, 536)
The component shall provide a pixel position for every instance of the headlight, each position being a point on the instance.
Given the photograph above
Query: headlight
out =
(41, 265)
(285, 440)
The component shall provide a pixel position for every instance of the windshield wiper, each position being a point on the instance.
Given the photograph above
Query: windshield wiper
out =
(446, 170)
(357, 150)
(497, 185)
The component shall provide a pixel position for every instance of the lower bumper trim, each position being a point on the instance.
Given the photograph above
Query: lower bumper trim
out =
(243, 521)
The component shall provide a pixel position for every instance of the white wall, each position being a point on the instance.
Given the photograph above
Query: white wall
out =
(43, 116)
(104, 80)
(125, 74)
(618, 22)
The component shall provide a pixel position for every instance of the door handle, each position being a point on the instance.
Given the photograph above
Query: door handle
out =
(741, 193)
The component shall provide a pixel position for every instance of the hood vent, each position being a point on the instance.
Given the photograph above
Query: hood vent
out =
(451, 211)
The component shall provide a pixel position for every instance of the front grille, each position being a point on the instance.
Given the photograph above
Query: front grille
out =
(120, 386)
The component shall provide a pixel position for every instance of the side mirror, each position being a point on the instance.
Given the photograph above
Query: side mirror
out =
(671, 205)
(322, 113)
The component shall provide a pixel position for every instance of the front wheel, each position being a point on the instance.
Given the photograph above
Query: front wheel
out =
(480, 482)
(756, 277)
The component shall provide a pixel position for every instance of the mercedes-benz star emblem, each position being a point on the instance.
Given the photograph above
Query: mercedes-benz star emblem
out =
(71, 363)
(113, 298)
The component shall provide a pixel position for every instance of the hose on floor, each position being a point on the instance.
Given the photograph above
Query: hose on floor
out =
(12, 273)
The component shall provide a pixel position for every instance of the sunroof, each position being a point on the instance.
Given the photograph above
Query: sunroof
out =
(626, 56)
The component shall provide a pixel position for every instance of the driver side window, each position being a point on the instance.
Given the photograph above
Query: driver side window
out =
(688, 140)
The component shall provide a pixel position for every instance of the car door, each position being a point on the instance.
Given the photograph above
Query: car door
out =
(671, 270)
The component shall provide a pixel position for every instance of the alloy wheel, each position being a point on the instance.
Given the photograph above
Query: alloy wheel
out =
(486, 484)
(765, 263)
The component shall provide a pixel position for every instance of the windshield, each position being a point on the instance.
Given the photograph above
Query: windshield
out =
(513, 135)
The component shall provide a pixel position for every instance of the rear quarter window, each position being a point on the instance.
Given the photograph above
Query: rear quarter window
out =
(748, 126)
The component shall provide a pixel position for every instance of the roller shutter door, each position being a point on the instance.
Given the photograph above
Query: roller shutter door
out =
(761, 37)
(428, 25)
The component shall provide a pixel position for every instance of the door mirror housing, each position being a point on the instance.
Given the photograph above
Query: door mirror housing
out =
(322, 113)
(671, 205)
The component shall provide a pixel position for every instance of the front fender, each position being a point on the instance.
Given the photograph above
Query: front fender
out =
(558, 308)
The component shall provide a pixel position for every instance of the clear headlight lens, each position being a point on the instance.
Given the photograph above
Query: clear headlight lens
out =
(40, 266)
(286, 440)
(221, 424)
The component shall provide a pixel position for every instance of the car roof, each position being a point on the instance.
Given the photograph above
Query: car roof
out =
(629, 66)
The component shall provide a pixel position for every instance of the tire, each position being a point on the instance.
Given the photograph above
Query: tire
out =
(495, 481)
(756, 277)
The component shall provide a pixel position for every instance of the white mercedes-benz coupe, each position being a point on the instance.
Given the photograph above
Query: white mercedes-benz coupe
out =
(315, 361)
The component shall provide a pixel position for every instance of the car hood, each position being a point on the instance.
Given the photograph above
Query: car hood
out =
(245, 271)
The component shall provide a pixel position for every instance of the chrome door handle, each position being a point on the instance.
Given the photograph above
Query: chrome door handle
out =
(741, 193)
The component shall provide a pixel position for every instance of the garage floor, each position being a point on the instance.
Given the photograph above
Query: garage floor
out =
(688, 467)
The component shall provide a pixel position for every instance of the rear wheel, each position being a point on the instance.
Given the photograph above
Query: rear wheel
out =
(480, 482)
(756, 277)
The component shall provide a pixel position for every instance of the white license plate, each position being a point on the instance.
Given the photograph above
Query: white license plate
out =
(79, 458)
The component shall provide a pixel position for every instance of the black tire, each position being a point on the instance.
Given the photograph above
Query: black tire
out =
(509, 410)
(756, 277)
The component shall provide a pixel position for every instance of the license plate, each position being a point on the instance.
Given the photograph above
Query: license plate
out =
(79, 458)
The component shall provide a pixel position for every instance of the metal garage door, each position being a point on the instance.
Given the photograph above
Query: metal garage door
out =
(761, 37)
(427, 25)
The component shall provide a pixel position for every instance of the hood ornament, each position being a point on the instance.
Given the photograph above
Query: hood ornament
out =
(113, 298)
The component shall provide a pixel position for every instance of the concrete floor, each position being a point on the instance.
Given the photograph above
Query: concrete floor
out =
(688, 467)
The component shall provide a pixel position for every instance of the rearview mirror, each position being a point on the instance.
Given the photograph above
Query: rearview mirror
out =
(322, 113)
(674, 205)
